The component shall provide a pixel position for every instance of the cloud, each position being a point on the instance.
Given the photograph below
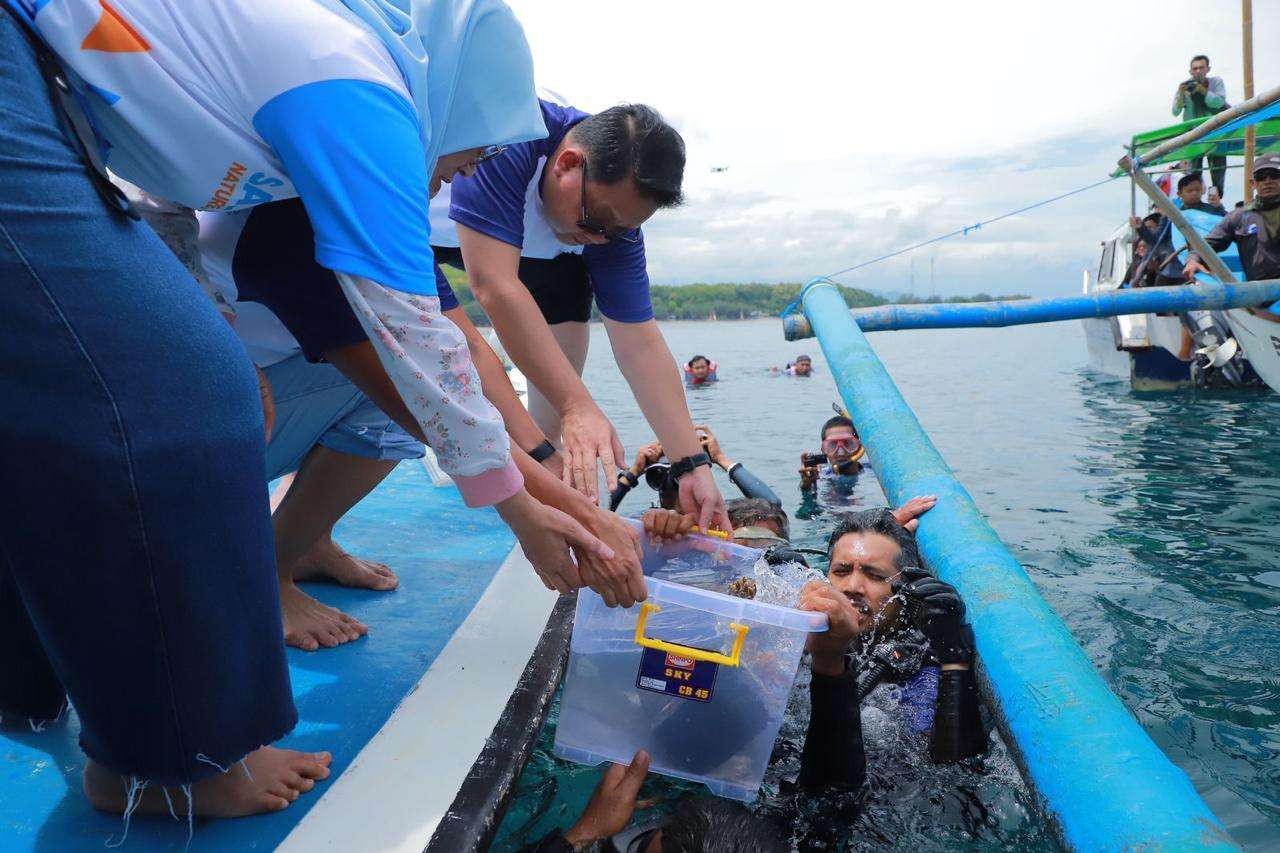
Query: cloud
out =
(853, 129)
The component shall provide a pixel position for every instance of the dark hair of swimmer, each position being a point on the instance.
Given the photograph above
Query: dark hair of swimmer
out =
(838, 420)
(880, 521)
(749, 512)
(711, 825)
(633, 140)
(698, 358)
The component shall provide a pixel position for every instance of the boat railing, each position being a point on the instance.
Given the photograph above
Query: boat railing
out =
(1102, 781)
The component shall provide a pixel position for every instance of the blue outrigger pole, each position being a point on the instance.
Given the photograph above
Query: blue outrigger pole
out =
(1102, 781)
(1106, 303)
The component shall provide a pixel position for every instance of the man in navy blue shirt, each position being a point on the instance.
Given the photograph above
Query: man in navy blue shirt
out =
(547, 227)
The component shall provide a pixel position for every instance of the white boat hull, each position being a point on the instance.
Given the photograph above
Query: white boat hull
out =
(1104, 355)
(1260, 339)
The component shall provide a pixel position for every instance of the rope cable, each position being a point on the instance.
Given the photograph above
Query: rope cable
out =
(964, 231)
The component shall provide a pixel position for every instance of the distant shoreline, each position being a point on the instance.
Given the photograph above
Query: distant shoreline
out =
(716, 302)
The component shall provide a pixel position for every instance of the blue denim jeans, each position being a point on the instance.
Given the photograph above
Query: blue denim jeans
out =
(137, 571)
(317, 404)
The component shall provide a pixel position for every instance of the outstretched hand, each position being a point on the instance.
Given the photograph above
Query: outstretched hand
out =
(546, 536)
(648, 454)
(828, 647)
(908, 515)
(588, 440)
(620, 579)
(700, 498)
(612, 803)
(938, 611)
(664, 525)
(712, 446)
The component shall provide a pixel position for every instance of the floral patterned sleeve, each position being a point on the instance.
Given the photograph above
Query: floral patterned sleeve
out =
(427, 358)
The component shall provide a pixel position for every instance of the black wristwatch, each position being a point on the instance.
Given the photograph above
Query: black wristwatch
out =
(629, 478)
(543, 451)
(687, 464)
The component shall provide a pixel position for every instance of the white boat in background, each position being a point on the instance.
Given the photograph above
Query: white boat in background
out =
(1142, 348)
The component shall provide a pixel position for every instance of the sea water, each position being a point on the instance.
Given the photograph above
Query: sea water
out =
(1148, 521)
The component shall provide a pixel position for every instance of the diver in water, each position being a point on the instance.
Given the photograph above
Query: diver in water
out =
(841, 455)
(833, 760)
(657, 473)
(911, 632)
(802, 366)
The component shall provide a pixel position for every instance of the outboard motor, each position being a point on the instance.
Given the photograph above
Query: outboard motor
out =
(1218, 356)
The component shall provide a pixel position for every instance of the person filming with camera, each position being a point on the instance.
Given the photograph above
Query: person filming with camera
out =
(1196, 97)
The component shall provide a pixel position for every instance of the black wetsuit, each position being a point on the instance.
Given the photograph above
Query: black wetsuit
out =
(749, 484)
(943, 703)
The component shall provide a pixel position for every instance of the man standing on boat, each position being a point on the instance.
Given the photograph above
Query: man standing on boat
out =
(1254, 228)
(551, 226)
(1200, 96)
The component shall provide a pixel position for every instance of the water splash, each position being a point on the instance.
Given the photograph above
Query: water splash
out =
(780, 583)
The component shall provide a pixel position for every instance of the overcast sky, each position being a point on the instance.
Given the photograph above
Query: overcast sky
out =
(850, 129)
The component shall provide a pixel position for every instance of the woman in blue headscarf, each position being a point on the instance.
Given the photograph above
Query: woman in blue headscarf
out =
(136, 424)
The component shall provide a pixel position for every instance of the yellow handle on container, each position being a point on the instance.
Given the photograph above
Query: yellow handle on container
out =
(718, 534)
(734, 658)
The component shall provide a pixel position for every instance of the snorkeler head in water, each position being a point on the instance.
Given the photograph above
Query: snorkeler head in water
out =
(699, 370)
(841, 448)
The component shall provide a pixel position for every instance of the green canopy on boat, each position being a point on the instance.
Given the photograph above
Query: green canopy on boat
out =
(1229, 144)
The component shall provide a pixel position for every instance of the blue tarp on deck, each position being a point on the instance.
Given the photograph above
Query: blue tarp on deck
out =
(445, 554)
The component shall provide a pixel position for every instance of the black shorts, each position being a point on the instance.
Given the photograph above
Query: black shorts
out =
(275, 265)
(561, 285)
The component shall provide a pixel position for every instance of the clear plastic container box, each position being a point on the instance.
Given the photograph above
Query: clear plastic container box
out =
(696, 677)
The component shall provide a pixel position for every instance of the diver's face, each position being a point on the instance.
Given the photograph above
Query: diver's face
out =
(450, 166)
(839, 445)
(804, 367)
(700, 368)
(768, 524)
(863, 567)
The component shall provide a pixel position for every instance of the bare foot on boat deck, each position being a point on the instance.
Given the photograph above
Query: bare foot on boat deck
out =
(275, 778)
(308, 624)
(327, 561)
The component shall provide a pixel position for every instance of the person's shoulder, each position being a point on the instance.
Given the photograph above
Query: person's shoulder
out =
(559, 114)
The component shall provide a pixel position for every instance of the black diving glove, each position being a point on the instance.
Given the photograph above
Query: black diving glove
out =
(935, 608)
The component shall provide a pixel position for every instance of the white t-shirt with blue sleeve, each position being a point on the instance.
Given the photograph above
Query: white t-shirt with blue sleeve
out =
(229, 104)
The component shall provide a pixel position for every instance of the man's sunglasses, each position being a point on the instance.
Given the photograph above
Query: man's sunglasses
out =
(624, 235)
(1267, 175)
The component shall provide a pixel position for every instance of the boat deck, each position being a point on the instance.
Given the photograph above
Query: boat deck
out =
(404, 711)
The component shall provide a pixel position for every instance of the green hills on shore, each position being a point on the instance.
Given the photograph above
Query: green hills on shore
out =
(724, 301)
